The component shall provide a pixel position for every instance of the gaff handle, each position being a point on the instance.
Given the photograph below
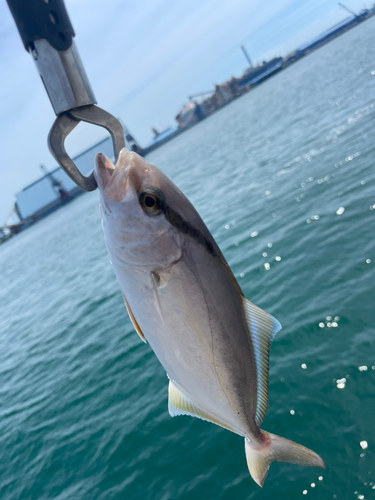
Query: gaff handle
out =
(47, 33)
(43, 20)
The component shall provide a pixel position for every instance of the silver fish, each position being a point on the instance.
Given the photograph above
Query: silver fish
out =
(183, 299)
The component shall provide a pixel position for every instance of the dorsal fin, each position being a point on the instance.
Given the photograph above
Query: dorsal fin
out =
(179, 404)
(134, 321)
(263, 327)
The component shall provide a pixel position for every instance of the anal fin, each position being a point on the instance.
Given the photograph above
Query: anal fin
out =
(179, 404)
(134, 321)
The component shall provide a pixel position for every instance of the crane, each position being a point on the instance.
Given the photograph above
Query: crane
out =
(55, 183)
(246, 56)
(191, 97)
(347, 9)
(12, 213)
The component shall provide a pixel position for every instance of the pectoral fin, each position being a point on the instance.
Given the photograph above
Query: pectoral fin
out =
(179, 404)
(134, 321)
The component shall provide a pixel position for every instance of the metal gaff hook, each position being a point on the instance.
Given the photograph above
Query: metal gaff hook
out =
(62, 127)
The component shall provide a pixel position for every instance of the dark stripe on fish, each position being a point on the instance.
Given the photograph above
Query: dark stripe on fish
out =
(185, 227)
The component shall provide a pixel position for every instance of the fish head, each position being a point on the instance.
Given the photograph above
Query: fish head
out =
(137, 201)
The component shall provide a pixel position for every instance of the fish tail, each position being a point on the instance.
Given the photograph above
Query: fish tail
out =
(259, 456)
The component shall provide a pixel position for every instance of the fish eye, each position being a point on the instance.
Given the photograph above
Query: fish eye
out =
(151, 201)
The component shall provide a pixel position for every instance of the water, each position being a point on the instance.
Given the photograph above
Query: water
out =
(83, 402)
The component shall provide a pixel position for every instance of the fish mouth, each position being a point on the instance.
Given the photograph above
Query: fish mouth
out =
(116, 181)
(104, 170)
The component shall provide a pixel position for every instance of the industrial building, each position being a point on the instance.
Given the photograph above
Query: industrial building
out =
(50, 192)
(46, 194)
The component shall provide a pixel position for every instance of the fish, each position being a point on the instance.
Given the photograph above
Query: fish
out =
(185, 302)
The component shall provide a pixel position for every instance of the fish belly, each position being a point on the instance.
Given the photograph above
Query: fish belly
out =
(193, 319)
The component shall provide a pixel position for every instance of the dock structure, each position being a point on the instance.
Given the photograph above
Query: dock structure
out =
(328, 35)
(198, 109)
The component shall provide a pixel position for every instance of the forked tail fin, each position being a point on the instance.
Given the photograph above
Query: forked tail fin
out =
(276, 449)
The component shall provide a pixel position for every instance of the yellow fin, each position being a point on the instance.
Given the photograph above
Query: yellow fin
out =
(134, 321)
(179, 404)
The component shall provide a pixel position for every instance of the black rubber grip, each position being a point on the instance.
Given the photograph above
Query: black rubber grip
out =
(43, 19)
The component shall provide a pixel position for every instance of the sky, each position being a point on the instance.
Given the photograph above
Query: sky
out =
(143, 59)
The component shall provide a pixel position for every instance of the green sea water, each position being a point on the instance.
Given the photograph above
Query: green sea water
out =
(284, 177)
